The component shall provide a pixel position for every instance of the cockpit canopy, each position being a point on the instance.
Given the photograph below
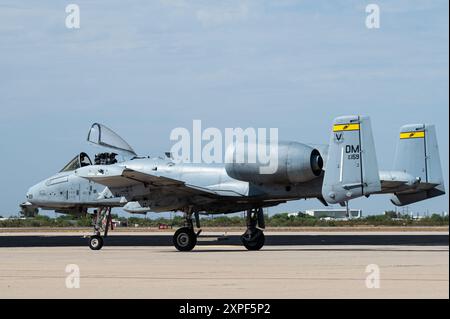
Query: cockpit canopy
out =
(78, 161)
(101, 135)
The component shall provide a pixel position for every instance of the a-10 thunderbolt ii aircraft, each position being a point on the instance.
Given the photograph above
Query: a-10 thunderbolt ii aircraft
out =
(344, 169)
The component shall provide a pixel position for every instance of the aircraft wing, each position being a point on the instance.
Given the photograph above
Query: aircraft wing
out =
(151, 180)
(120, 177)
(224, 201)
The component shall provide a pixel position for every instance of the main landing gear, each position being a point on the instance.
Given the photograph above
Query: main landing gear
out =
(253, 238)
(102, 223)
(185, 238)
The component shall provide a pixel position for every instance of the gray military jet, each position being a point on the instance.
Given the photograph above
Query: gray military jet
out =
(344, 169)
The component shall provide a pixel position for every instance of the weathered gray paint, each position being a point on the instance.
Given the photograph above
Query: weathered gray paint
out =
(159, 184)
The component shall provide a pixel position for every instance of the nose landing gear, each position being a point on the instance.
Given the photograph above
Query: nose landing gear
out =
(102, 223)
(95, 242)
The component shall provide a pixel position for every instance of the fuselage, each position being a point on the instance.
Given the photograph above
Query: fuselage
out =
(67, 191)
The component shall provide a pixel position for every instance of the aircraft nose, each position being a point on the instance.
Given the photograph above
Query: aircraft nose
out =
(32, 193)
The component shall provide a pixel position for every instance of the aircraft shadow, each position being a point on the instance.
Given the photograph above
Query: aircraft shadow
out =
(274, 240)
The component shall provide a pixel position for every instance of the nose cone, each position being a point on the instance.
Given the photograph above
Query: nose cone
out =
(30, 207)
(33, 192)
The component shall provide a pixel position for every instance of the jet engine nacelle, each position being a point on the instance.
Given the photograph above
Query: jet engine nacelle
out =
(284, 162)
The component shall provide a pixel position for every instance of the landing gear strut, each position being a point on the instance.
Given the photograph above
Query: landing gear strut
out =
(185, 238)
(102, 223)
(253, 238)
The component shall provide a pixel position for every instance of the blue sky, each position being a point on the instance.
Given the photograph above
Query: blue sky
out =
(146, 67)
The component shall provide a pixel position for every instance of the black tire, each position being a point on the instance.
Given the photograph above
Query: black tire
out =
(95, 242)
(184, 239)
(256, 242)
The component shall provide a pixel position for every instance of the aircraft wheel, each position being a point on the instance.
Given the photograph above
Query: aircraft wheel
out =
(256, 242)
(184, 239)
(96, 242)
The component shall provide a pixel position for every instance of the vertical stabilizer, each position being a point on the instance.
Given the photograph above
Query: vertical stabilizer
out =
(417, 154)
(352, 167)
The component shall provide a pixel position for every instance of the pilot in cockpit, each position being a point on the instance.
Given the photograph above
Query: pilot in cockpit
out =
(84, 160)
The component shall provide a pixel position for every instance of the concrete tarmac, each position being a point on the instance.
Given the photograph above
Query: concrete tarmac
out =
(299, 265)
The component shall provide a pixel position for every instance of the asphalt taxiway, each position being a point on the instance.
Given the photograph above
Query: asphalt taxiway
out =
(291, 265)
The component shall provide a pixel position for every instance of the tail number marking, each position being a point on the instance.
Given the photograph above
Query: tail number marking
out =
(352, 151)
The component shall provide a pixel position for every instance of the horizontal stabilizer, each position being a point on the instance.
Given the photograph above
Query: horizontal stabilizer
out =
(402, 199)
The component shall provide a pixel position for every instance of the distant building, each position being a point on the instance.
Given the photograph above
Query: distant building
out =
(12, 218)
(119, 223)
(334, 213)
(417, 216)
